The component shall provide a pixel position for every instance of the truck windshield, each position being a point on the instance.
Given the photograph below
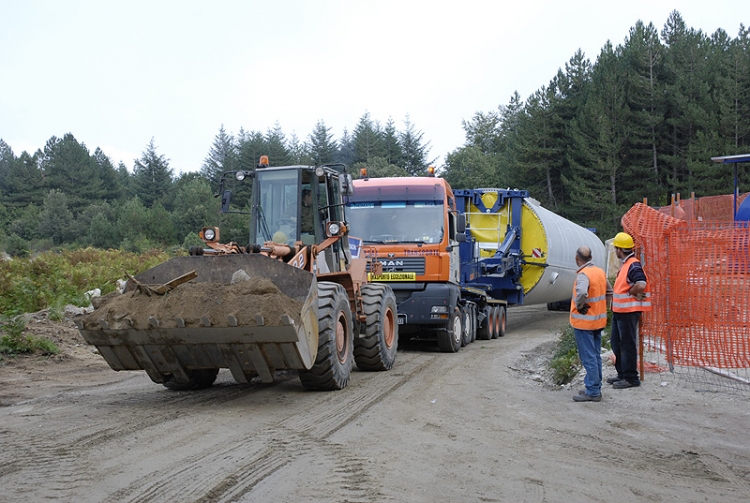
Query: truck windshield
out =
(396, 221)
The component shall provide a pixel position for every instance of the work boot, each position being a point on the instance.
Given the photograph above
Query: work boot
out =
(613, 379)
(622, 384)
(587, 398)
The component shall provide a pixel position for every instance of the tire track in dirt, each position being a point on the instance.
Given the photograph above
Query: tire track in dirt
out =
(230, 470)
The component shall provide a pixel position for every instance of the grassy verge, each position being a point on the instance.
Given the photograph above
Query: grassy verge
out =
(565, 361)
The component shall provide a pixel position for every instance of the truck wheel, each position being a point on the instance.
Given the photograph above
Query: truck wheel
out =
(333, 364)
(198, 379)
(485, 331)
(449, 338)
(503, 320)
(473, 316)
(376, 348)
(466, 339)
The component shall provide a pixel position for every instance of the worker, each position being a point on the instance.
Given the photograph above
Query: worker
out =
(308, 221)
(632, 296)
(588, 316)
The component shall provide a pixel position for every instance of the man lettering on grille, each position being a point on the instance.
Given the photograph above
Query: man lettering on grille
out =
(632, 297)
(588, 316)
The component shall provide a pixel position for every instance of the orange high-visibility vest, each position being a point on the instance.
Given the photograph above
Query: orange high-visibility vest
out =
(596, 317)
(622, 302)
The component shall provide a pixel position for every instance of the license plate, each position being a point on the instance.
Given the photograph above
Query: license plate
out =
(402, 320)
(393, 276)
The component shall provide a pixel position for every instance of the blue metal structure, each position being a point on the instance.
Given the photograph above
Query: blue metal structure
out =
(735, 159)
(498, 276)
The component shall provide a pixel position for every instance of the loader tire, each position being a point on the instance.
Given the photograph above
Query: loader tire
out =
(198, 379)
(376, 348)
(449, 338)
(333, 364)
(486, 330)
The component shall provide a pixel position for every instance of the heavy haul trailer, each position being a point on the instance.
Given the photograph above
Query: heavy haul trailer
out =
(457, 259)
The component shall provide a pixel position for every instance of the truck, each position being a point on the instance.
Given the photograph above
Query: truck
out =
(457, 259)
(292, 297)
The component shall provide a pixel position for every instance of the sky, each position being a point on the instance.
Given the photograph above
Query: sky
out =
(118, 74)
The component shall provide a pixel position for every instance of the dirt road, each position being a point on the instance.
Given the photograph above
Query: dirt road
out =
(476, 426)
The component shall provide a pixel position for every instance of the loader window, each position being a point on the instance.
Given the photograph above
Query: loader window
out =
(278, 209)
(397, 221)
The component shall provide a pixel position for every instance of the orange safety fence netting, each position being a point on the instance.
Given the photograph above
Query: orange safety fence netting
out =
(699, 271)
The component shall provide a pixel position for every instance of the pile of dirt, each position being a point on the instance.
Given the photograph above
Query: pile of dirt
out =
(251, 303)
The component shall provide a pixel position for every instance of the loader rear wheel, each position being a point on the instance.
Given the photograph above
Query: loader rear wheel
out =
(449, 338)
(486, 330)
(333, 364)
(376, 348)
(197, 379)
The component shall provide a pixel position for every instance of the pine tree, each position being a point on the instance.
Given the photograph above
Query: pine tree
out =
(415, 151)
(24, 182)
(367, 139)
(68, 167)
(346, 154)
(276, 145)
(322, 146)
(642, 58)
(152, 176)
(56, 219)
(394, 154)
(223, 156)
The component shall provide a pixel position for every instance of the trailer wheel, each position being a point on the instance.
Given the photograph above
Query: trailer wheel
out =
(198, 379)
(495, 321)
(376, 348)
(503, 320)
(333, 364)
(449, 338)
(485, 331)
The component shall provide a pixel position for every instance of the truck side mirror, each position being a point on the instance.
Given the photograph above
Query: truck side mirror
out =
(346, 185)
(461, 237)
(226, 198)
(460, 225)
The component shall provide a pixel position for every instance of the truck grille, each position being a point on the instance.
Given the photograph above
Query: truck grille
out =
(402, 264)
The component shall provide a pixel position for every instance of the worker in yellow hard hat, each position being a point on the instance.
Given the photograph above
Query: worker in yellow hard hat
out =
(632, 296)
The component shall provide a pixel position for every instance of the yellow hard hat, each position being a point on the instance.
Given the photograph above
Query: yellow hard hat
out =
(623, 240)
(279, 238)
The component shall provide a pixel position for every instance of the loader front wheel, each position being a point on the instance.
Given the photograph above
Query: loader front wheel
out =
(197, 379)
(376, 348)
(333, 364)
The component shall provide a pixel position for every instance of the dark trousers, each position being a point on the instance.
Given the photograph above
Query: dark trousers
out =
(624, 341)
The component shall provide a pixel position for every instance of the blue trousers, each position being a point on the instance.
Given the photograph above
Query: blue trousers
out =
(625, 345)
(589, 344)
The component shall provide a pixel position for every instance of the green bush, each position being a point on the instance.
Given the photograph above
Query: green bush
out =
(54, 279)
(565, 361)
(14, 342)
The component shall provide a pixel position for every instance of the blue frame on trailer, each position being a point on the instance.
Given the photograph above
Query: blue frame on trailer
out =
(500, 274)
(733, 159)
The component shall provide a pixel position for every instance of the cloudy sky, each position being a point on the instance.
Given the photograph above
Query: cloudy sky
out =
(117, 74)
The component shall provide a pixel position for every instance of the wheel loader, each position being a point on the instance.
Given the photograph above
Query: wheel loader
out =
(295, 296)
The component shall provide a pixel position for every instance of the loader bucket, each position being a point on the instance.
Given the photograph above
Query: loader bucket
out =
(248, 313)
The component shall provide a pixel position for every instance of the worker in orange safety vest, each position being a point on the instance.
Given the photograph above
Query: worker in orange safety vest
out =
(632, 296)
(588, 316)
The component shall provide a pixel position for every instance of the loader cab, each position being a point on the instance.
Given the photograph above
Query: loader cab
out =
(294, 203)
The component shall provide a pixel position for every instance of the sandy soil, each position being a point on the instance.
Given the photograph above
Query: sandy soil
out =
(482, 425)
